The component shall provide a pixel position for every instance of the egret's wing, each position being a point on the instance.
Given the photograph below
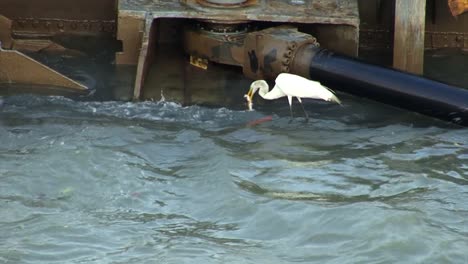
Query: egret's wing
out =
(275, 93)
(298, 86)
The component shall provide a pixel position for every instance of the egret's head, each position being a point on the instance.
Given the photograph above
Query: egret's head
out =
(254, 88)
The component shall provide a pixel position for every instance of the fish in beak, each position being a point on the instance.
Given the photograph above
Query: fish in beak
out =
(249, 97)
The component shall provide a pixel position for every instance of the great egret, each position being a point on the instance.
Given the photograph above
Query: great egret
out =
(291, 85)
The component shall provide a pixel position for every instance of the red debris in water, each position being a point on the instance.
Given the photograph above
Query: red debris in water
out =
(260, 120)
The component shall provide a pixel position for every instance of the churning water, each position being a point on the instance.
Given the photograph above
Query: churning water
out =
(157, 182)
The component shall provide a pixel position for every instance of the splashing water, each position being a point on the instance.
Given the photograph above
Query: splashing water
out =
(157, 182)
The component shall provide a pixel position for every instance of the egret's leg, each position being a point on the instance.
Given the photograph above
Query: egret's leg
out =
(290, 108)
(303, 109)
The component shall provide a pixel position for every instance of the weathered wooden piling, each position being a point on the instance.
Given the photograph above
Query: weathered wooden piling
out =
(408, 49)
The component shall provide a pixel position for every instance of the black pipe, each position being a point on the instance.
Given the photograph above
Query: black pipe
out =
(382, 84)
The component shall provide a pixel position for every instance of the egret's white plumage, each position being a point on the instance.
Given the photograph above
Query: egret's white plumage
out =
(291, 85)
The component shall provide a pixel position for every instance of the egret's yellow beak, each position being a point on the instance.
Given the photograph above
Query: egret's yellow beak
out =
(249, 95)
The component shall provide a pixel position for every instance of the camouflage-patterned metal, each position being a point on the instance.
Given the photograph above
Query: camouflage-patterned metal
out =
(272, 51)
(219, 44)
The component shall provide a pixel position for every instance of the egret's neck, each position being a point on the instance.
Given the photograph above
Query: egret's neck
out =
(263, 90)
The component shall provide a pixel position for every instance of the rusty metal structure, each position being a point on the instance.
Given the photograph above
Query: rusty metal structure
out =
(41, 26)
(260, 37)
(339, 25)
(215, 30)
(37, 27)
(443, 30)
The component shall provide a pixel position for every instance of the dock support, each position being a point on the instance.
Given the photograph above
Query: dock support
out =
(408, 49)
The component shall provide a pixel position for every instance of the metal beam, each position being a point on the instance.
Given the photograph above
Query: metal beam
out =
(19, 69)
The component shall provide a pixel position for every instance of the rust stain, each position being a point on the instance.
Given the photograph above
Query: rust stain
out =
(458, 7)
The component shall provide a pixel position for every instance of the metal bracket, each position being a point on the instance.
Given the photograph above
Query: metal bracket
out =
(17, 68)
(271, 51)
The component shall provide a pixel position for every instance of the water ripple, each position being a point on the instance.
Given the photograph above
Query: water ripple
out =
(157, 182)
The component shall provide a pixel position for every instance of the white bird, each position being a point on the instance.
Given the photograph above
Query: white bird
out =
(291, 85)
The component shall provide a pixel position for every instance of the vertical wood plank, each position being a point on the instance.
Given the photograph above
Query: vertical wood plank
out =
(145, 57)
(408, 49)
